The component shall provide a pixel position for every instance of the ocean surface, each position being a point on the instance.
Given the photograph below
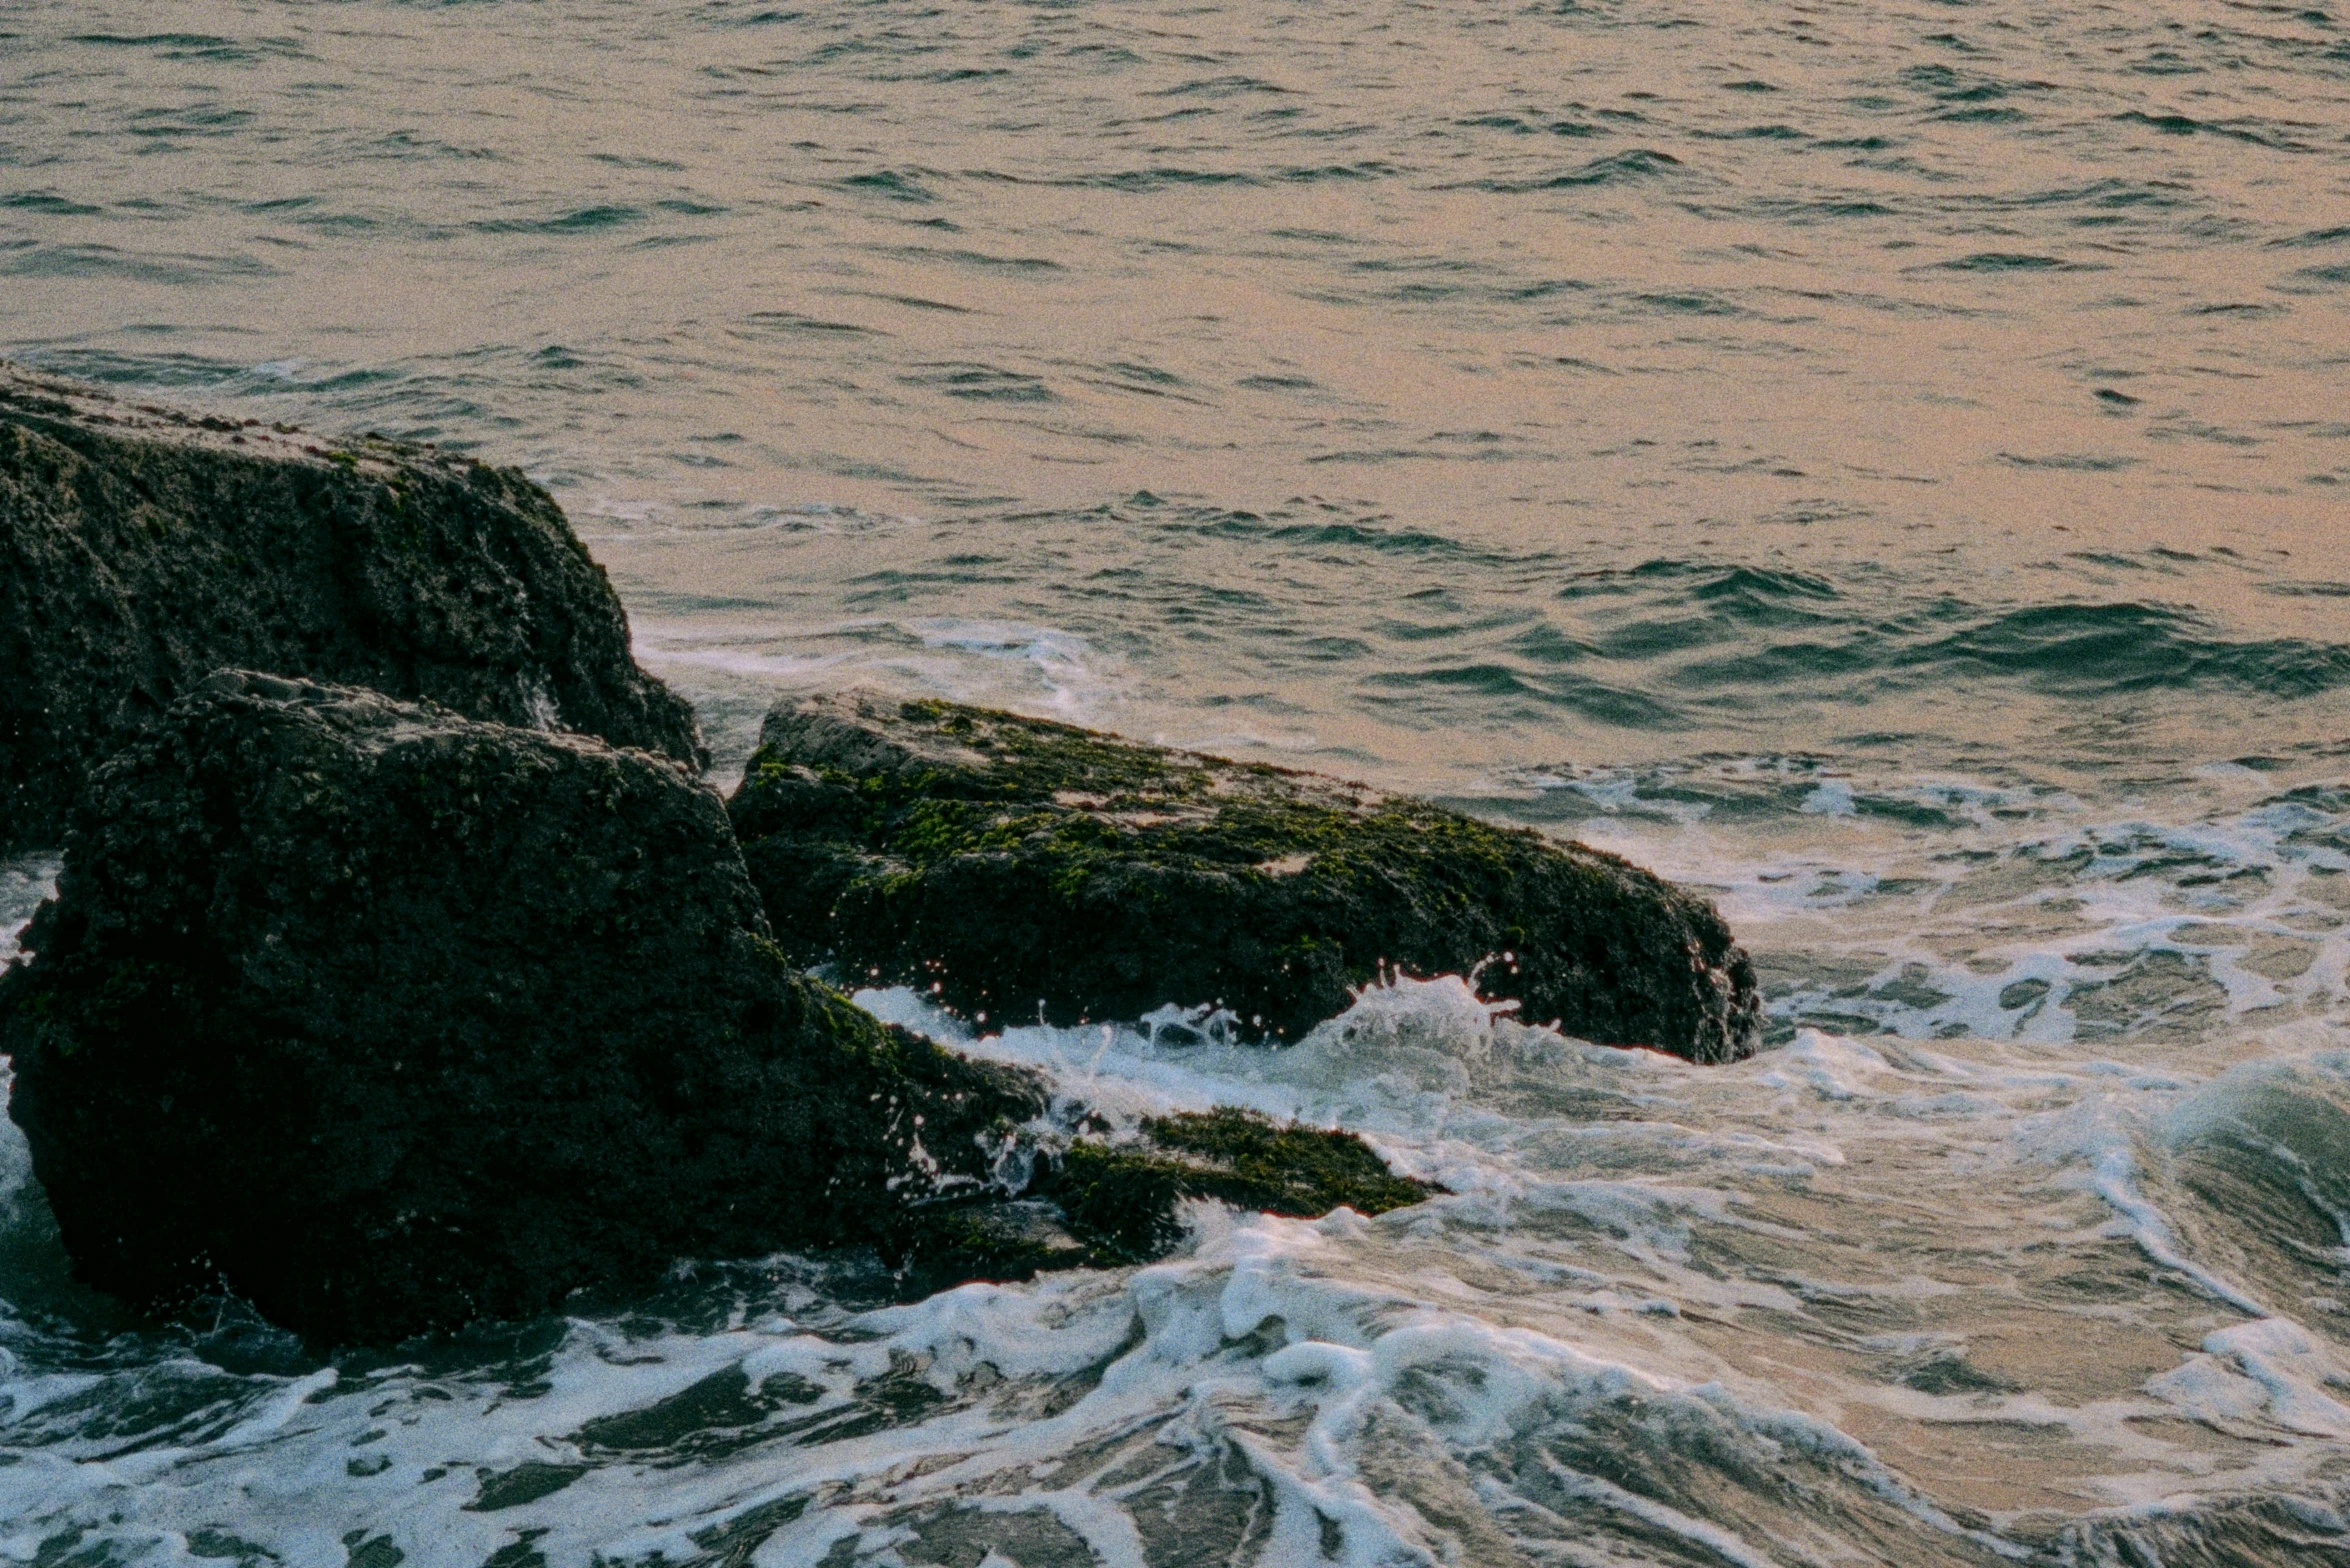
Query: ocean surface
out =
(1885, 464)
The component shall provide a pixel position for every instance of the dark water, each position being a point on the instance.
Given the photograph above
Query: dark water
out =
(1886, 464)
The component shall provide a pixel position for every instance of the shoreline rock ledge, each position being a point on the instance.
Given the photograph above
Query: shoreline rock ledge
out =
(1011, 866)
(390, 1020)
(143, 548)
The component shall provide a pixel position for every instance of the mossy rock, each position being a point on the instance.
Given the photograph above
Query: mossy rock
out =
(1016, 868)
(1111, 1201)
(142, 548)
(388, 1020)
(1122, 1197)
(937, 1245)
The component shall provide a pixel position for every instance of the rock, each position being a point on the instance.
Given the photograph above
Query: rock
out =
(1108, 1200)
(1122, 1197)
(944, 1244)
(389, 1020)
(1014, 867)
(142, 549)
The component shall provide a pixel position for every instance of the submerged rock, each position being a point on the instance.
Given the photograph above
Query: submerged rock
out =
(387, 1020)
(1016, 867)
(141, 549)
(1111, 1200)
(1122, 1196)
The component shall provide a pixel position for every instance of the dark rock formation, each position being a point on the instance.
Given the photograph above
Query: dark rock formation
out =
(389, 1020)
(1010, 865)
(140, 550)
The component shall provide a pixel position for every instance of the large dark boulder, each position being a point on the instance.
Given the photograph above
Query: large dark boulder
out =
(387, 1019)
(1012, 866)
(141, 549)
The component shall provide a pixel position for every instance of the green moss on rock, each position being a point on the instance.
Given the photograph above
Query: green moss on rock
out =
(1108, 1201)
(389, 1020)
(1013, 867)
(946, 1243)
(1123, 1197)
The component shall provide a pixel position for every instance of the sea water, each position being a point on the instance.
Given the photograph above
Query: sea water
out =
(1884, 465)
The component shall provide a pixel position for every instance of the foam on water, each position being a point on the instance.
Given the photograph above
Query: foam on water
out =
(24, 882)
(1936, 910)
(1990, 1282)
(1756, 1314)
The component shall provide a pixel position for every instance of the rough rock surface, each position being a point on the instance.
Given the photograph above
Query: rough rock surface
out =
(1011, 866)
(1122, 1197)
(1118, 1199)
(389, 1019)
(142, 549)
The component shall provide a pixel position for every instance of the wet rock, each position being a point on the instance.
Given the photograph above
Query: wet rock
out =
(940, 1245)
(1109, 1199)
(1122, 1197)
(389, 1019)
(1014, 867)
(141, 549)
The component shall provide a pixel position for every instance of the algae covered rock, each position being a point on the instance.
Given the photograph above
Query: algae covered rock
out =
(1122, 1197)
(1103, 1200)
(388, 1019)
(1014, 867)
(142, 549)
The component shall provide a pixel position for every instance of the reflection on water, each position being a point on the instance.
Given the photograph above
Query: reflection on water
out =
(1880, 463)
(1313, 377)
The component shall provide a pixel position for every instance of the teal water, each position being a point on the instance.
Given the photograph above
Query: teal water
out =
(1884, 464)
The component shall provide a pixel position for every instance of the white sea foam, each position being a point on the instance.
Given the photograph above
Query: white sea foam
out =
(1641, 1270)
(24, 882)
(2026, 914)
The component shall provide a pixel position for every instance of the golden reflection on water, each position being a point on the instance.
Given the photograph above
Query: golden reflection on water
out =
(1903, 295)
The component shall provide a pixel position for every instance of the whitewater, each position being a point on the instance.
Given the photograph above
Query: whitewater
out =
(1881, 465)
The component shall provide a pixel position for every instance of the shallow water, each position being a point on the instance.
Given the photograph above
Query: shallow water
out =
(1882, 464)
